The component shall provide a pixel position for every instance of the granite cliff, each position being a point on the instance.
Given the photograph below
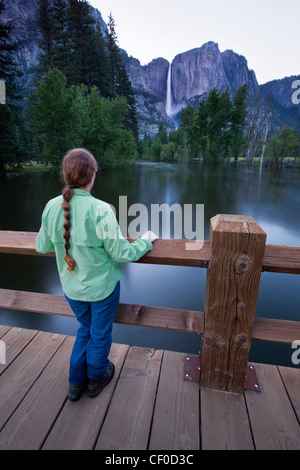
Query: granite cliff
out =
(285, 95)
(20, 15)
(193, 74)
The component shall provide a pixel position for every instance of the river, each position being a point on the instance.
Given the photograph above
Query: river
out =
(272, 198)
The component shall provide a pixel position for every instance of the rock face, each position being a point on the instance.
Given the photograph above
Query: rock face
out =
(238, 73)
(151, 78)
(20, 14)
(196, 72)
(283, 91)
(150, 86)
(193, 74)
(285, 95)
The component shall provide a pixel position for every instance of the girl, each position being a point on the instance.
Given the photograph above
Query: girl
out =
(89, 246)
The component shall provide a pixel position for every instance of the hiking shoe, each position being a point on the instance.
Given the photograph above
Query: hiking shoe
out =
(75, 391)
(96, 386)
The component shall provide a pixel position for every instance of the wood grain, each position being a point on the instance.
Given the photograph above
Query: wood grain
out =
(277, 258)
(237, 249)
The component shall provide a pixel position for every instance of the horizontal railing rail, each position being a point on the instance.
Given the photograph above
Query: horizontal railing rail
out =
(277, 258)
(138, 315)
(191, 321)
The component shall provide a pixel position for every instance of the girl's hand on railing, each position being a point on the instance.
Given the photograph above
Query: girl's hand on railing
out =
(152, 237)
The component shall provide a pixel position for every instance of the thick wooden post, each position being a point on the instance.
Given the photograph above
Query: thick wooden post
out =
(237, 249)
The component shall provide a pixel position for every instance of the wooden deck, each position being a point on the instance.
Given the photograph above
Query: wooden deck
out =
(147, 405)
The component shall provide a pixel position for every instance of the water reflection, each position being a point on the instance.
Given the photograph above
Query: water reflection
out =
(272, 199)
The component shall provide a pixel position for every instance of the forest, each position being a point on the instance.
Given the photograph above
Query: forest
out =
(222, 129)
(81, 96)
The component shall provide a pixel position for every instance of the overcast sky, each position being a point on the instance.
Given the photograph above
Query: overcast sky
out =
(266, 32)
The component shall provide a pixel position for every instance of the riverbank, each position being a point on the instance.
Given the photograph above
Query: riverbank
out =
(35, 167)
(29, 167)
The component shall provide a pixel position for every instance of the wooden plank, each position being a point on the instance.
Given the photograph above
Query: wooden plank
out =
(17, 379)
(169, 252)
(279, 331)
(155, 317)
(282, 259)
(273, 421)
(22, 243)
(128, 420)
(177, 253)
(35, 302)
(291, 379)
(237, 248)
(78, 425)
(30, 423)
(161, 317)
(264, 329)
(224, 421)
(16, 339)
(277, 258)
(176, 414)
(4, 329)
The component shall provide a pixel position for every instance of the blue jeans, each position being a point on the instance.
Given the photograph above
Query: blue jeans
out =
(94, 337)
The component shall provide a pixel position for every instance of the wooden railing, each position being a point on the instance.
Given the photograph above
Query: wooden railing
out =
(235, 256)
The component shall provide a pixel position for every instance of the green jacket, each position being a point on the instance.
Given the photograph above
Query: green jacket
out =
(97, 246)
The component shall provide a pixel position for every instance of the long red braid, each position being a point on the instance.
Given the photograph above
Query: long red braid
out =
(78, 169)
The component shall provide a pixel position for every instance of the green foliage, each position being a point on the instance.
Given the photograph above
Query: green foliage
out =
(216, 130)
(71, 40)
(10, 113)
(52, 115)
(65, 117)
(239, 115)
(105, 136)
(44, 21)
(120, 81)
(284, 146)
(10, 153)
(77, 98)
(165, 148)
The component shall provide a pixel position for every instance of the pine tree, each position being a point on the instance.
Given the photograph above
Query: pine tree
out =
(217, 128)
(201, 125)
(52, 115)
(71, 40)
(9, 112)
(81, 34)
(125, 89)
(189, 123)
(59, 36)
(225, 112)
(44, 20)
(99, 67)
(9, 72)
(239, 121)
(114, 56)
(119, 77)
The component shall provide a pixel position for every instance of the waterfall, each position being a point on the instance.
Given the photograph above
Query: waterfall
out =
(169, 92)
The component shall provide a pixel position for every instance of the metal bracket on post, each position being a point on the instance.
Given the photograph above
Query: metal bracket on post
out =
(251, 382)
(192, 373)
(192, 368)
